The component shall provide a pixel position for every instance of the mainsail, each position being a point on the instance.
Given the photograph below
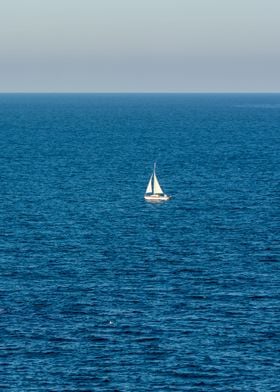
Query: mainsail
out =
(157, 188)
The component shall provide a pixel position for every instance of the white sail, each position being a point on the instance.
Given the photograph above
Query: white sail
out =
(154, 193)
(149, 187)
(157, 188)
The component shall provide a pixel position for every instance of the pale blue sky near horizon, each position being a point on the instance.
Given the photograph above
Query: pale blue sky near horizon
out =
(139, 46)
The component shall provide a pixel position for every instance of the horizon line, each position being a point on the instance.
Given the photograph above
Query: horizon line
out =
(139, 92)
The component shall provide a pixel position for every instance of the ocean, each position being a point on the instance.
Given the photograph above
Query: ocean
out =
(103, 291)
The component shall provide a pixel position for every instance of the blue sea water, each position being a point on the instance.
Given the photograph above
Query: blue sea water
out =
(102, 291)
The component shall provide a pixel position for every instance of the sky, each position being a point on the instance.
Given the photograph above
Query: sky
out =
(140, 46)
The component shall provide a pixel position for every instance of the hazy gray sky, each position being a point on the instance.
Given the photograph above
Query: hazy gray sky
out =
(139, 45)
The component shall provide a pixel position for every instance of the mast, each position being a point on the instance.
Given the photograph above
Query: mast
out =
(153, 182)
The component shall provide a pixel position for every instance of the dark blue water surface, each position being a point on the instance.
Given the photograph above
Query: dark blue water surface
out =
(102, 291)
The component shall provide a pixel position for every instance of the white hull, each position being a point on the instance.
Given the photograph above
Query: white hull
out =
(156, 198)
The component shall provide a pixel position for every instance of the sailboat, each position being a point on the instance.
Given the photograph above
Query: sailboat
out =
(154, 191)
